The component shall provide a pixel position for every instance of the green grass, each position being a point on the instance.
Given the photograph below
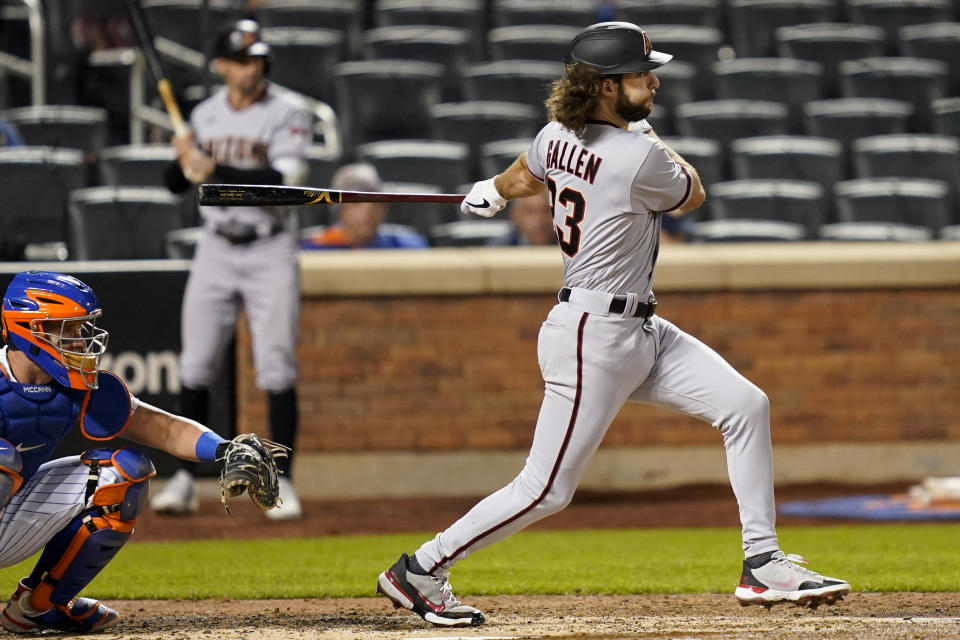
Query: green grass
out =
(871, 558)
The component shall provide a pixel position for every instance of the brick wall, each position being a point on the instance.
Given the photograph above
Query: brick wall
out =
(452, 373)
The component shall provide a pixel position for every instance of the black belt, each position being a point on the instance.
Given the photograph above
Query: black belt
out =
(619, 303)
(235, 233)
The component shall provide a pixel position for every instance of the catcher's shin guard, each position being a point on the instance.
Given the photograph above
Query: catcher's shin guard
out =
(84, 547)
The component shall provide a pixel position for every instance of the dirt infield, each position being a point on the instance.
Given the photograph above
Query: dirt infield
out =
(862, 615)
(873, 616)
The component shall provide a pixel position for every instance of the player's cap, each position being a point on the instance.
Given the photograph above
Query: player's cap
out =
(359, 176)
(615, 47)
(241, 40)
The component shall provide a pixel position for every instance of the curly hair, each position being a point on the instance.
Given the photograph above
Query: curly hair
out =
(574, 96)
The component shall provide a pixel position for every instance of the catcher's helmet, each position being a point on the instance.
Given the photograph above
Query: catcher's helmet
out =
(241, 40)
(51, 317)
(615, 47)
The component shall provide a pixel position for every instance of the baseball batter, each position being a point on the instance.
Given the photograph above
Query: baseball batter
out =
(247, 257)
(80, 510)
(609, 184)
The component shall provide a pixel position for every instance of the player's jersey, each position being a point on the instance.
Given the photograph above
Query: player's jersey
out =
(606, 189)
(35, 418)
(271, 129)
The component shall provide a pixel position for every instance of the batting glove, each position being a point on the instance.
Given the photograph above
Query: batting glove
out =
(483, 200)
(639, 125)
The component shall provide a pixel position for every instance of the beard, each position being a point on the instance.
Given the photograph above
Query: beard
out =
(629, 111)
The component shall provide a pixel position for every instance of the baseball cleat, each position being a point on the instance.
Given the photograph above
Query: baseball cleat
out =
(178, 497)
(430, 597)
(773, 577)
(80, 615)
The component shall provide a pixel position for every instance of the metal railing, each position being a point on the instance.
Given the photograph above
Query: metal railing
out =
(33, 68)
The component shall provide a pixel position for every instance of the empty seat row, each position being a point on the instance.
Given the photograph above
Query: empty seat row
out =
(870, 208)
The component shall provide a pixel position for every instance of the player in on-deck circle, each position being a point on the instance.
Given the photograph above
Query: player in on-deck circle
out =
(81, 509)
(609, 183)
(245, 133)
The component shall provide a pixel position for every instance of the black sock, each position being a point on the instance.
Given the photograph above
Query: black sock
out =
(195, 405)
(282, 408)
(755, 562)
(414, 566)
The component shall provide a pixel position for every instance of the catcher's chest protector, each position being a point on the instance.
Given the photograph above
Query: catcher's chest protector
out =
(35, 418)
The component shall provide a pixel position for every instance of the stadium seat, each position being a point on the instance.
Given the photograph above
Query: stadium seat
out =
(818, 160)
(304, 59)
(746, 231)
(700, 13)
(468, 233)
(381, 99)
(753, 22)
(343, 16)
(846, 119)
(422, 217)
(891, 15)
(917, 80)
(35, 182)
(526, 81)
(108, 223)
(793, 82)
(574, 13)
(448, 46)
(71, 127)
(829, 43)
(678, 84)
(935, 42)
(698, 46)
(888, 209)
(462, 14)
(135, 165)
(726, 120)
(476, 123)
(446, 164)
(910, 156)
(496, 156)
(792, 209)
(180, 20)
(546, 42)
(951, 233)
(704, 155)
(946, 116)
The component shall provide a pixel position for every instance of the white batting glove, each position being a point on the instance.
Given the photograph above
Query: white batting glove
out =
(639, 125)
(483, 200)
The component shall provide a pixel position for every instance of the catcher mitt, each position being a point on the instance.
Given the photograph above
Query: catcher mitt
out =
(249, 464)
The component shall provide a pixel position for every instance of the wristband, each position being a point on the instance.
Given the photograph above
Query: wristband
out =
(207, 446)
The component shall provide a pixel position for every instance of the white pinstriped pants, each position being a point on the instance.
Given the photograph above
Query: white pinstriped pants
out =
(592, 363)
(44, 505)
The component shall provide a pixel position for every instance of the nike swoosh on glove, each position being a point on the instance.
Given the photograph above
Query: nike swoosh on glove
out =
(483, 200)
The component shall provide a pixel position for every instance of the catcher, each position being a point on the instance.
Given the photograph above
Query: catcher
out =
(80, 510)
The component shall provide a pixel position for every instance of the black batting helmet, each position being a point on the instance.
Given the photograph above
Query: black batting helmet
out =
(615, 47)
(241, 40)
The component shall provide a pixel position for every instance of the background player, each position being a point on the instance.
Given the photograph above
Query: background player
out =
(80, 510)
(247, 256)
(602, 345)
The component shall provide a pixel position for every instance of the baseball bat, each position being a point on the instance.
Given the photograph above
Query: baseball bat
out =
(256, 195)
(164, 88)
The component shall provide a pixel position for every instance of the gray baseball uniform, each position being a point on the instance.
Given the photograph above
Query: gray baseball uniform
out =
(248, 255)
(597, 349)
